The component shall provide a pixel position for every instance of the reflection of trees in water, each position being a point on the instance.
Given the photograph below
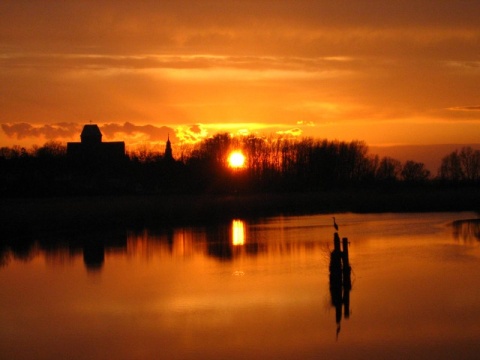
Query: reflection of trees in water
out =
(4, 256)
(222, 241)
(21, 250)
(466, 230)
(94, 255)
(226, 242)
(60, 249)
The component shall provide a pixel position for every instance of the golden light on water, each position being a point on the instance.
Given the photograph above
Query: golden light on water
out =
(236, 160)
(238, 232)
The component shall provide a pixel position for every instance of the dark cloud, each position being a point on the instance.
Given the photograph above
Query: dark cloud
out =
(72, 130)
(195, 129)
(51, 132)
(217, 26)
(153, 133)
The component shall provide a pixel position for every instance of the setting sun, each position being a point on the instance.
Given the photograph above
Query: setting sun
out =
(236, 159)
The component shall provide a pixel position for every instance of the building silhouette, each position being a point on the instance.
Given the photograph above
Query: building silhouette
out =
(92, 150)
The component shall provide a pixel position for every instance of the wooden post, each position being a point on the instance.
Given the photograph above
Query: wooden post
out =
(336, 243)
(336, 262)
(347, 283)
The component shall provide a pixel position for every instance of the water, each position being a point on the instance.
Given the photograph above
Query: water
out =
(246, 290)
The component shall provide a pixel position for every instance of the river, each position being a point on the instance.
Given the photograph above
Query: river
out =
(247, 289)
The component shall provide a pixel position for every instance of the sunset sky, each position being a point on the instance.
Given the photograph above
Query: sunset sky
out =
(387, 72)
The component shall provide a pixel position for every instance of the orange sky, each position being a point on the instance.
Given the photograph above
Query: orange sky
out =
(387, 72)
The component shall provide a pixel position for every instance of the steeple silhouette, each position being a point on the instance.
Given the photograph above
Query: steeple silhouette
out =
(168, 149)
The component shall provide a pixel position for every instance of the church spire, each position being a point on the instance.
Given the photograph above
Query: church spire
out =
(168, 149)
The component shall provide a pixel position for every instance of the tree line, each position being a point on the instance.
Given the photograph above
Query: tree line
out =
(272, 164)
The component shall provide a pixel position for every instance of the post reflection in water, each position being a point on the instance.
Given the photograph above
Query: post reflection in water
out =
(340, 281)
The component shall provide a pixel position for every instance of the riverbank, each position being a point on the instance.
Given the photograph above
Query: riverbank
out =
(46, 214)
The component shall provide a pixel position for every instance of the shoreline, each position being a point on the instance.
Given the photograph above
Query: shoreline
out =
(30, 215)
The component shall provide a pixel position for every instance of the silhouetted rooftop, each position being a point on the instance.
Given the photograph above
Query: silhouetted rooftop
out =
(92, 149)
(91, 133)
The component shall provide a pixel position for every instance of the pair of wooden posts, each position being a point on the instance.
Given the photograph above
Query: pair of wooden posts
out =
(340, 280)
(339, 263)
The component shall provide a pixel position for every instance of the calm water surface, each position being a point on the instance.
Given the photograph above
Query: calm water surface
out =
(247, 290)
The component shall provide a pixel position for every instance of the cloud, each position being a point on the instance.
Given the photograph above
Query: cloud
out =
(465, 108)
(291, 132)
(150, 132)
(69, 131)
(305, 123)
(195, 129)
(240, 27)
(219, 63)
(51, 132)
(182, 65)
(191, 133)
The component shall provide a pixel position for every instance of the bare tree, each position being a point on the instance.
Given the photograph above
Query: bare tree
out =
(414, 172)
(470, 160)
(463, 165)
(389, 169)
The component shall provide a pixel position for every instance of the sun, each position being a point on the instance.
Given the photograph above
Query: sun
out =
(236, 159)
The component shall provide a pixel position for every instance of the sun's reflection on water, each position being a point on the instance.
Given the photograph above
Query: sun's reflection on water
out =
(238, 232)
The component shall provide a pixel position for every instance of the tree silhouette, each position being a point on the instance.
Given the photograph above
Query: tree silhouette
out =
(414, 172)
(273, 163)
(461, 166)
(388, 170)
